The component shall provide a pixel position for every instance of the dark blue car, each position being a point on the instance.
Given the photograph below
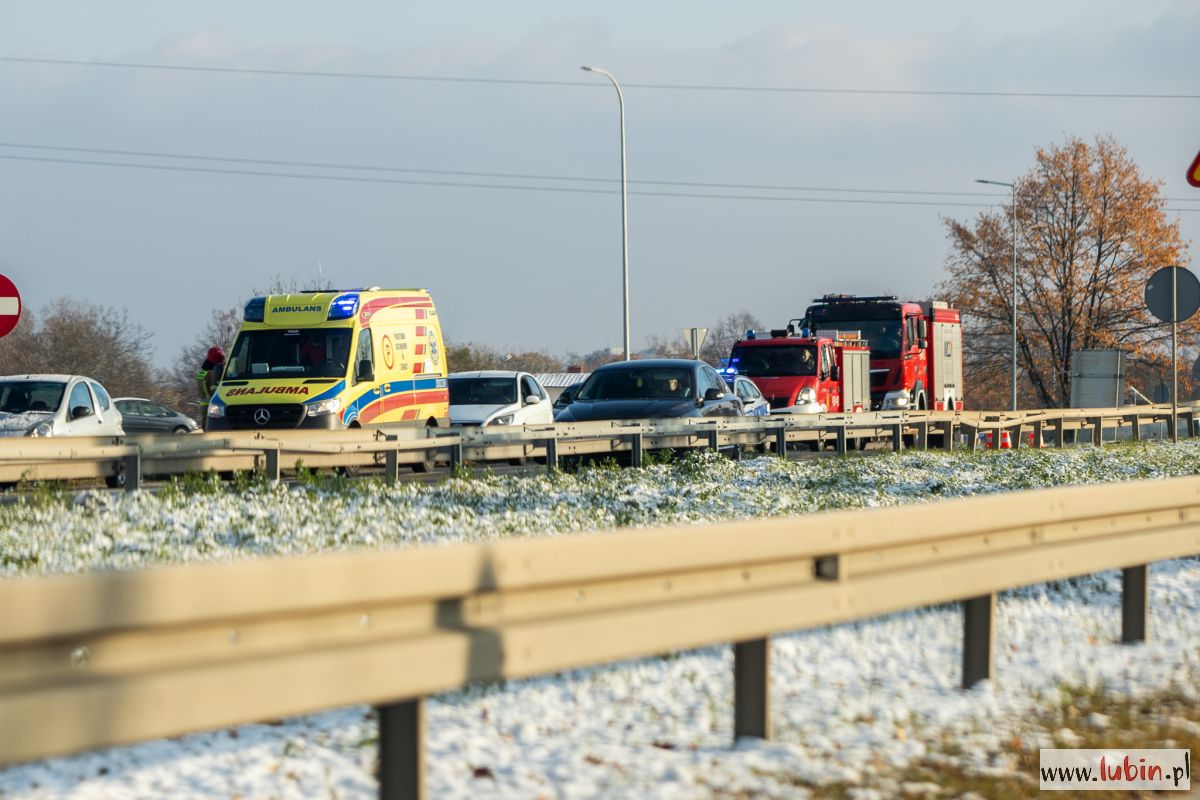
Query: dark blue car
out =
(661, 388)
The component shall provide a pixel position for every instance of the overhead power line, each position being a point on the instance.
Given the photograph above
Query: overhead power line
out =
(691, 87)
(496, 186)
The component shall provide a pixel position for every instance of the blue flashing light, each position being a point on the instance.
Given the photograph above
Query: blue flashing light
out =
(751, 334)
(344, 306)
(730, 370)
(256, 307)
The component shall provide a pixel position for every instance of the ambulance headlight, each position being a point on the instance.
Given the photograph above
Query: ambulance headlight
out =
(42, 429)
(807, 395)
(323, 407)
(215, 411)
(504, 420)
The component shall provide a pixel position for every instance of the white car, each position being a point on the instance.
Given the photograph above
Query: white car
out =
(497, 397)
(56, 405)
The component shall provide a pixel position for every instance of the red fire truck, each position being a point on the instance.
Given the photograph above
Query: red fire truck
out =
(828, 371)
(916, 348)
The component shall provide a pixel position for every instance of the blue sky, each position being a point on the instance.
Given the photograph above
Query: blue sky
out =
(528, 267)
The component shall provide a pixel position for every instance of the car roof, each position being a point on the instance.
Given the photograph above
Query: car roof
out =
(685, 363)
(486, 373)
(47, 376)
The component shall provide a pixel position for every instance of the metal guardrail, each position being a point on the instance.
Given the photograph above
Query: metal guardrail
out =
(271, 451)
(109, 658)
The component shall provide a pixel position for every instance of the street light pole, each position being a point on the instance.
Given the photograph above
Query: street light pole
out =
(1013, 234)
(624, 203)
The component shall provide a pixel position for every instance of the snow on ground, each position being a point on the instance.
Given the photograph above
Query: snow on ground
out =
(847, 700)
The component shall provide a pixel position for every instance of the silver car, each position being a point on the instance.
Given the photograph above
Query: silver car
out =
(56, 405)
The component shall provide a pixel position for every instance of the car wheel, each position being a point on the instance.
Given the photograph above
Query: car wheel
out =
(115, 481)
(180, 429)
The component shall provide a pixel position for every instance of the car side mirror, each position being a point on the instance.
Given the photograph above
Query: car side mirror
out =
(713, 393)
(79, 412)
(533, 399)
(365, 371)
(923, 343)
(565, 397)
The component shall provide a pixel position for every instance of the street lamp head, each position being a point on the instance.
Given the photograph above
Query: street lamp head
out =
(588, 69)
(994, 183)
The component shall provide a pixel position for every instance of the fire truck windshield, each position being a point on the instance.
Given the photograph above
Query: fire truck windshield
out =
(774, 361)
(883, 335)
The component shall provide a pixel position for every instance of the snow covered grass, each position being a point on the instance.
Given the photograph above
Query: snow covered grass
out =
(860, 709)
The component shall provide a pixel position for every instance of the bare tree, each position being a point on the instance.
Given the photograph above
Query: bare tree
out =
(77, 338)
(721, 337)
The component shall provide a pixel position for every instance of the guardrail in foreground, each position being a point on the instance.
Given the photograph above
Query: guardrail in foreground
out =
(270, 451)
(104, 659)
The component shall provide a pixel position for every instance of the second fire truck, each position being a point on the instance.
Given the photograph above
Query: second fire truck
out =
(916, 348)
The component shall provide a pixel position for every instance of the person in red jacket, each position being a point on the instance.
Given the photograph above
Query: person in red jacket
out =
(207, 378)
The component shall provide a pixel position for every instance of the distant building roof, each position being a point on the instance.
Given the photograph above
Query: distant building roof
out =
(560, 380)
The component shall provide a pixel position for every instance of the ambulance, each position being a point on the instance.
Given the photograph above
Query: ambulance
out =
(333, 360)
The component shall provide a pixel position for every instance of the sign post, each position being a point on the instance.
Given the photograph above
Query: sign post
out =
(1173, 295)
(695, 338)
(10, 306)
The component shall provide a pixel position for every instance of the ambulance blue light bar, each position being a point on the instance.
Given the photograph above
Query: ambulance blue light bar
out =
(344, 306)
(256, 307)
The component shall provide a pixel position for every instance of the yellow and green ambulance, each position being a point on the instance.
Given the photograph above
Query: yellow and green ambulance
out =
(335, 359)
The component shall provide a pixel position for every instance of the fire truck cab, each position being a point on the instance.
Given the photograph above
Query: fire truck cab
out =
(916, 348)
(800, 373)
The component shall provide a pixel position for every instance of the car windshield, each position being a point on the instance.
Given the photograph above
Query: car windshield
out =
(883, 335)
(774, 361)
(482, 391)
(19, 397)
(639, 383)
(297, 353)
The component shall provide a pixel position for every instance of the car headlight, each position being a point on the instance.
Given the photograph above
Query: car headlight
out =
(806, 395)
(504, 420)
(215, 411)
(323, 407)
(42, 429)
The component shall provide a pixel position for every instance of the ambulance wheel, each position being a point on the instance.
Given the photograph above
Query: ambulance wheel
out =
(115, 481)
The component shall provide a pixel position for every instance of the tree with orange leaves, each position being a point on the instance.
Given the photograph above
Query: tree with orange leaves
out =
(1090, 231)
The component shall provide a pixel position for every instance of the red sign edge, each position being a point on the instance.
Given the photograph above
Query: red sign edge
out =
(1193, 176)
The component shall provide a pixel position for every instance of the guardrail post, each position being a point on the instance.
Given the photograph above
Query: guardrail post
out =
(948, 437)
(391, 466)
(712, 439)
(840, 442)
(402, 750)
(1135, 603)
(921, 440)
(1037, 434)
(752, 689)
(1097, 431)
(132, 466)
(781, 441)
(455, 457)
(271, 463)
(1062, 433)
(1170, 427)
(1191, 430)
(897, 440)
(972, 434)
(635, 449)
(1017, 430)
(978, 613)
(551, 454)
(1135, 428)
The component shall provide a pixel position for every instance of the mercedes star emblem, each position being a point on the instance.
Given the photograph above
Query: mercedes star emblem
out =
(262, 416)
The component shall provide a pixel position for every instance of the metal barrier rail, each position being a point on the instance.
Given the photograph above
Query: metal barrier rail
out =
(269, 451)
(109, 658)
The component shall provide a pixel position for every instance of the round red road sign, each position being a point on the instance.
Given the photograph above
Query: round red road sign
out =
(10, 306)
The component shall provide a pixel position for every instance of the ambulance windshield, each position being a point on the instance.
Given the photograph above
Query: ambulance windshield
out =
(296, 353)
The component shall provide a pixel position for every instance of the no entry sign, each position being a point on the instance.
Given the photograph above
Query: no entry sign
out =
(10, 306)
